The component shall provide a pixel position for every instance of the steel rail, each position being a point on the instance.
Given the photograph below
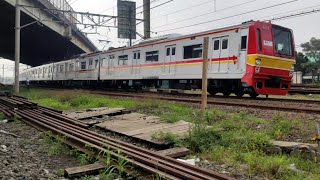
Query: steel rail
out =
(124, 146)
(214, 102)
(175, 92)
(46, 119)
(88, 143)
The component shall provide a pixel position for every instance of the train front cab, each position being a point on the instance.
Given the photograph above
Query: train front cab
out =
(270, 59)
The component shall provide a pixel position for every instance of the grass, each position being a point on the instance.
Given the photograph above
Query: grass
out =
(2, 116)
(167, 137)
(233, 139)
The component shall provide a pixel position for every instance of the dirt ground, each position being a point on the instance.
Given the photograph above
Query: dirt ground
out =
(25, 157)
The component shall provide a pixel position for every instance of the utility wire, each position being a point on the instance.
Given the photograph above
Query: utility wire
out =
(230, 7)
(228, 17)
(146, 4)
(157, 5)
(183, 9)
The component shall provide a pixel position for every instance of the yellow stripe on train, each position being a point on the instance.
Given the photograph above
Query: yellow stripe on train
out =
(271, 62)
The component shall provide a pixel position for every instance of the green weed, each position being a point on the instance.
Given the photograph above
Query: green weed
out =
(2, 116)
(167, 137)
(54, 144)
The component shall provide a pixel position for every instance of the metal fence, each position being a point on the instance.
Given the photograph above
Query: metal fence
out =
(65, 6)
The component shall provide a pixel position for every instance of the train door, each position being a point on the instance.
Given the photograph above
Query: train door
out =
(77, 70)
(136, 63)
(242, 59)
(220, 54)
(170, 59)
(110, 64)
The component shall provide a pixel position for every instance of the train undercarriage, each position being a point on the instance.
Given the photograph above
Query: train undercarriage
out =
(226, 87)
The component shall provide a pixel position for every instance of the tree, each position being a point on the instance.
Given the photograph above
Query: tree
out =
(312, 50)
(302, 63)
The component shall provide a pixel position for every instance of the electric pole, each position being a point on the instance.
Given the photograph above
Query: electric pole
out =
(17, 48)
(204, 96)
(3, 73)
(146, 17)
(130, 26)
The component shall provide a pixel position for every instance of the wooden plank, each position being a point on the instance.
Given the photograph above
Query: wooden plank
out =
(157, 127)
(84, 170)
(143, 127)
(175, 152)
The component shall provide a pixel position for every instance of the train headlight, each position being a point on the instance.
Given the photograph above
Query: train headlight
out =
(258, 62)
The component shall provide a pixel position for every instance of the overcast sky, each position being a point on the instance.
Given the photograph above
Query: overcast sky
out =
(180, 13)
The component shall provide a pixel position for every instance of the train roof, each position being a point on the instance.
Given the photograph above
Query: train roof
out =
(175, 37)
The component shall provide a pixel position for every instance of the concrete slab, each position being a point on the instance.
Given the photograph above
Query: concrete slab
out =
(97, 112)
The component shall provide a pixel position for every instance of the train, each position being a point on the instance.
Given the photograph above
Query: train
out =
(254, 58)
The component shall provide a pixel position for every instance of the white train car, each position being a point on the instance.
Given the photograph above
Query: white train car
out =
(254, 58)
(87, 67)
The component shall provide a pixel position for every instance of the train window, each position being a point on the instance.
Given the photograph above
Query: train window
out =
(173, 51)
(168, 51)
(90, 62)
(134, 55)
(138, 55)
(244, 42)
(152, 56)
(123, 60)
(61, 68)
(71, 66)
(216, 45)
(258, 34)
(225, 44)
(194, 51)
(83, 65)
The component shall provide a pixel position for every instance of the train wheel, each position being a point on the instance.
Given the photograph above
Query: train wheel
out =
(253, 94)
(239, 94)
(226, 93)
(213, 93)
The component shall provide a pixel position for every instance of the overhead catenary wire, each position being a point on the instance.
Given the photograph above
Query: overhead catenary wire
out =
(157, 6)
(146, 4)
(230, 7)
(280, 16)
(183, 9)
(228, 17)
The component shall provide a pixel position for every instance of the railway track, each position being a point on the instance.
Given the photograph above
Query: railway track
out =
(176, 93)
(215, 102)
(303, 90)
(77, 135)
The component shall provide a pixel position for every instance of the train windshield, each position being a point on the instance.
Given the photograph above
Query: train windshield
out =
(282, 41)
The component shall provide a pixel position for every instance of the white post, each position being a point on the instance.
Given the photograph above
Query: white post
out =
(204, 97)
(17, 48)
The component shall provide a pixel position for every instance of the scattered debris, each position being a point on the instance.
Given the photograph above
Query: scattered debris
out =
(90, 169)
(8, 133)
(3, 148)
(190, 161)
(4, 121)
(305, 150)
(175, 152)
(294, 168)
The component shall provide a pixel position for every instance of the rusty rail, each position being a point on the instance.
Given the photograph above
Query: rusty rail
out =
(79, 136)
